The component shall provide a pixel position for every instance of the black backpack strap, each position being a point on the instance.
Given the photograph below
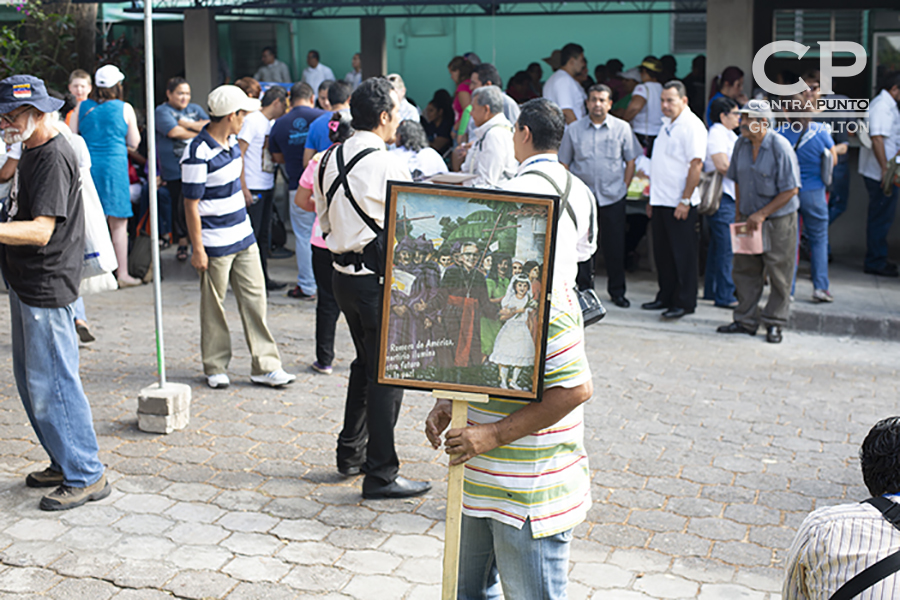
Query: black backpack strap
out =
(883, 568)
(564, 198)
(343, 171)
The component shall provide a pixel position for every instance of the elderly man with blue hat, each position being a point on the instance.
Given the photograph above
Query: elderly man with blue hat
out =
(41, 252)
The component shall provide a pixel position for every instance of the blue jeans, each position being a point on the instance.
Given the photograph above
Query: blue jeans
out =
(499, 560)
(718, 285)
(881, 217)
(45, 365)
(840, 191)
(78, 308)
(302, 224)
(814, 210)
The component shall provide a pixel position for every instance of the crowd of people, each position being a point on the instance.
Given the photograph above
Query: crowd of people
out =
(337, 144)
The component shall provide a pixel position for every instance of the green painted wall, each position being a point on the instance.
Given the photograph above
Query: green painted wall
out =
(510, 42)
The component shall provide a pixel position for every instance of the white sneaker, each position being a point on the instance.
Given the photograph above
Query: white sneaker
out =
(822, 296)
(219, 380)
(276, 378)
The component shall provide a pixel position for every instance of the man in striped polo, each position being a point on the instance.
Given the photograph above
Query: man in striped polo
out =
(527, 483)
(225, 248)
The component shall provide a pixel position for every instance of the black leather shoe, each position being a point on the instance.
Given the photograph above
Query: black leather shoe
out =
(274, 286)
(349, 471)
(888, 270)
(676, 313)
(621, 301)
(773, 334)
(398, 488)
(655, 305)
(735, 327)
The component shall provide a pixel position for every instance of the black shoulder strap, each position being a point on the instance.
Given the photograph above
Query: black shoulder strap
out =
(322, 164)
(883, 568)
(341, 180)
(564, 199)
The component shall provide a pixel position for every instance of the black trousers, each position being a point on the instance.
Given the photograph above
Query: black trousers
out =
(675, 247)
(261, 220)
(371, 410)
(179, 222)
(327, 309)
(612, 244)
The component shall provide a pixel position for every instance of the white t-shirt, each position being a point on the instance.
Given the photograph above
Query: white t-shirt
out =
(353, 78)
(562, 89)
(884, 120)
(426, 161)
(720, 140)
(255, 132)
(678, 143)
(649, 120)
(315, 77)
(408, 112)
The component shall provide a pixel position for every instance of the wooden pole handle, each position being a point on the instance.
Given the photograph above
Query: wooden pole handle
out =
(453, 523)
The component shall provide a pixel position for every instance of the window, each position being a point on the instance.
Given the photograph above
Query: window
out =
(809, 27)
(688, 28)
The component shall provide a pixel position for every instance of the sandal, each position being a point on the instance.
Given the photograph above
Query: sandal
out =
(164, 244)
(182, 253)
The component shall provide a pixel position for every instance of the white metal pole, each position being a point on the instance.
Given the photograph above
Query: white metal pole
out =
(151, 177)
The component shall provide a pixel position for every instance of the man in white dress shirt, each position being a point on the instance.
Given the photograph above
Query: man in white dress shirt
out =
(675, 167)
(836, 543)
(490, 156)
(562, 87)
(408, 112)
(272, 69)
(366, 442)
(316, 72)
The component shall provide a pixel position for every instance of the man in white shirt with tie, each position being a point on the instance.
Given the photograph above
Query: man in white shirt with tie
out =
(272, 69)
(316, 72)
(354, 77)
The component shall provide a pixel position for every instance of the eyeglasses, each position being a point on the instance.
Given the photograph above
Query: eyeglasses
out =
(10, 118)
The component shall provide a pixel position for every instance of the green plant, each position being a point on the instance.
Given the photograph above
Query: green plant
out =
(40, 44)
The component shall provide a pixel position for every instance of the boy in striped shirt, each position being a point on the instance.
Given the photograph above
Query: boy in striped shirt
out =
(527, 482)
(225, 248)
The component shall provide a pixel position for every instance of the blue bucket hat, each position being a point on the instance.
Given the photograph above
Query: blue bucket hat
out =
(22, 90)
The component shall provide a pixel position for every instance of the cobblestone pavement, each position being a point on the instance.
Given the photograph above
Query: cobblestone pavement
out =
(706, 452)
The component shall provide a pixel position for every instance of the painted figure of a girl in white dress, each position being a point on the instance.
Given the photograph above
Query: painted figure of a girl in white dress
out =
(514, 346)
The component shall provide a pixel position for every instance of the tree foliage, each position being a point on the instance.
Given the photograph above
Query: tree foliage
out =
(40, 44)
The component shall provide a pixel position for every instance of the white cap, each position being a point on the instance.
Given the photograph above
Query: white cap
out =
(108, 76)
(633, 74)
(227, 99)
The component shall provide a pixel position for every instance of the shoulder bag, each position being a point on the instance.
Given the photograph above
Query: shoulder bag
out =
(710, 189)
(883, 568)
(592, 310)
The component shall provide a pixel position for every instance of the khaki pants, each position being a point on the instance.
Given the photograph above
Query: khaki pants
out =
(244, 271)
(750, 271)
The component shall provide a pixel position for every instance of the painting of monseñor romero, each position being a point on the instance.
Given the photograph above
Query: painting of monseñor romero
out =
(465, 310)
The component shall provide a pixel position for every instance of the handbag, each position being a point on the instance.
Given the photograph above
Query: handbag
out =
(141, 255)
(592, 310)
(99, 256)
(827, 168)
(710, 188)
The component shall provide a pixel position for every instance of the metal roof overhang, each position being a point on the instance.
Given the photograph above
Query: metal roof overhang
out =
(355, 9)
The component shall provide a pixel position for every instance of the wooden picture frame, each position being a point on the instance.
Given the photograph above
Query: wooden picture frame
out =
(445, 306)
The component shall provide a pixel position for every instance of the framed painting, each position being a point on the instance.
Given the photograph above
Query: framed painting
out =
(466, 296)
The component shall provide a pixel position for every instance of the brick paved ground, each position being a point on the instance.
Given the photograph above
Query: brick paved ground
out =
(706, 454)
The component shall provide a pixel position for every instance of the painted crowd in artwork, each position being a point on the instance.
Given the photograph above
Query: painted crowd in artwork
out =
(466, 282)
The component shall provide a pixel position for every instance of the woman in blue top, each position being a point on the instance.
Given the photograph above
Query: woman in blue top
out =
(730, 84)
(109, 128)
(812, 143)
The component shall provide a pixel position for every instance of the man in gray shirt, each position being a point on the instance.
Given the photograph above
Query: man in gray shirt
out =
(766, 181)
(600, 149)
(272, 69)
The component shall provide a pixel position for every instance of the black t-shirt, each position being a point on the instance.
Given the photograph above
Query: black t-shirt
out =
(47, 184)
(432, 131)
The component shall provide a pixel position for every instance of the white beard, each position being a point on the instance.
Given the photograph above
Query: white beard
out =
(14, 136)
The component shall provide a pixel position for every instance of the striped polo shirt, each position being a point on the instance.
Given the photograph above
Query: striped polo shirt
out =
(544, 476)
(212, 174)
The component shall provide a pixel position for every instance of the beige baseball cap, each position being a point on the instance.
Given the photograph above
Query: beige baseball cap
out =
(227, 99)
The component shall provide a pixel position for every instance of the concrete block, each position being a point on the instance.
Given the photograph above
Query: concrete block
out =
(163, 424)
(172, 399)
